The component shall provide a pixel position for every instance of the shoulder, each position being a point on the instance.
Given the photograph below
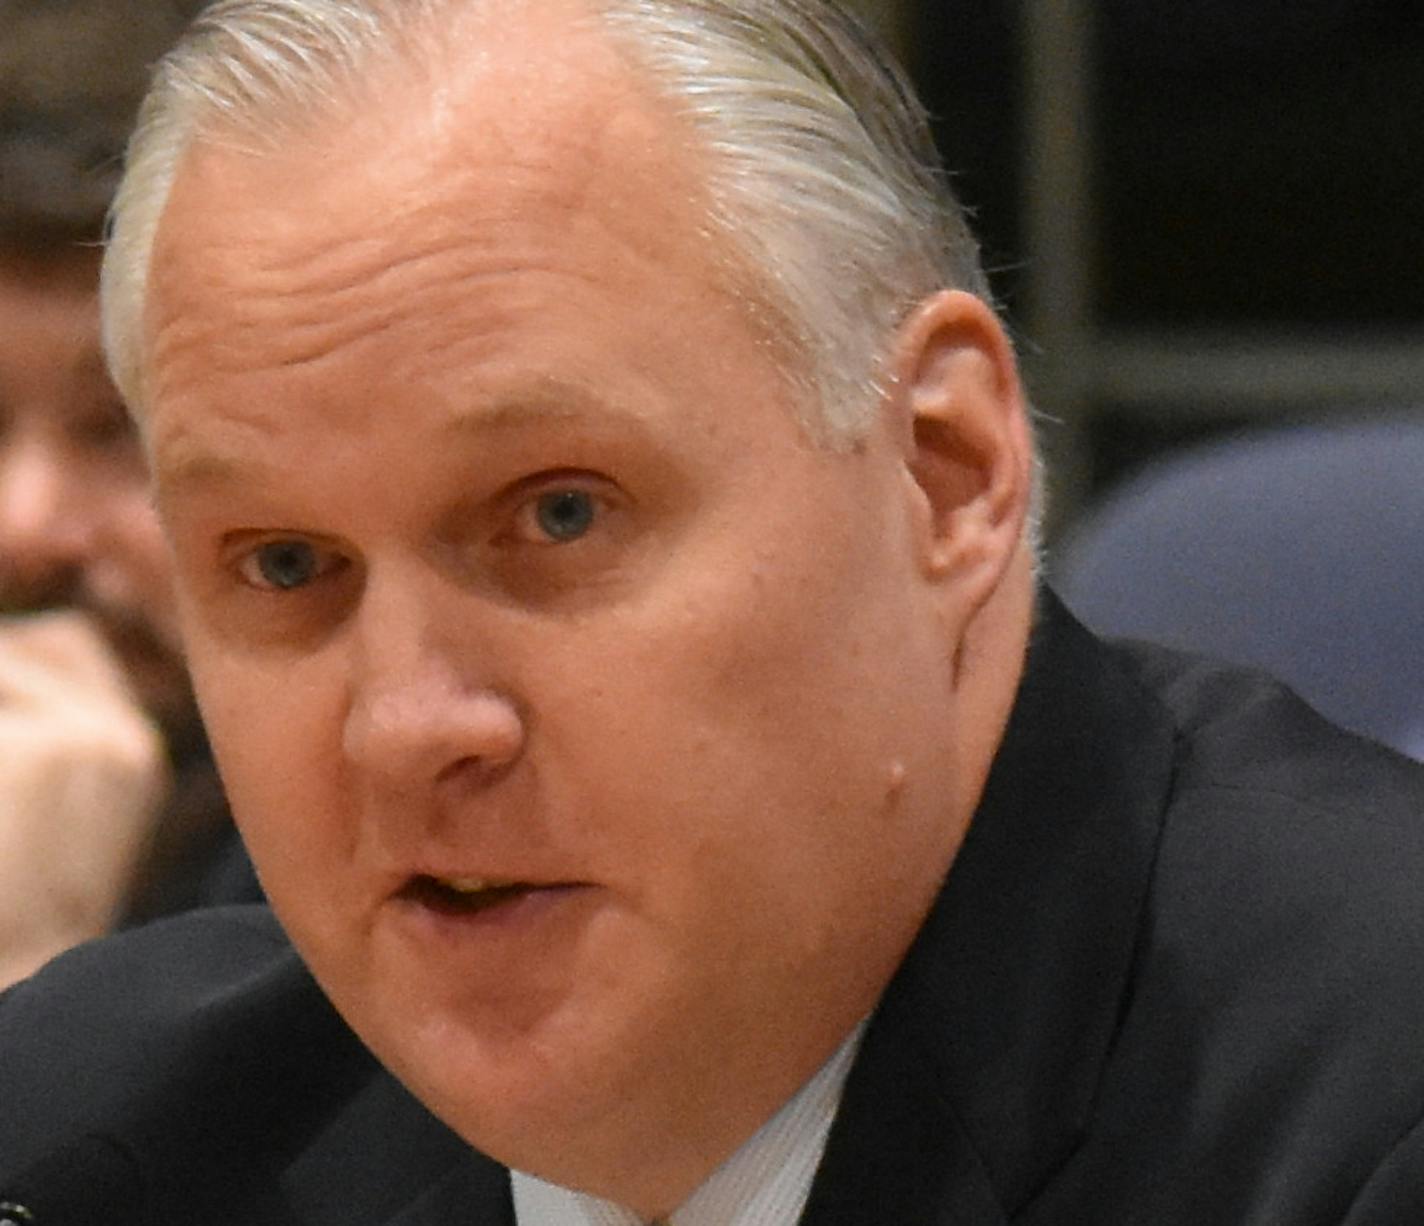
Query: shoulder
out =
(1241, 729)
(166, 1031)
(153, 978)
(1275, 1019)
(1287, 844)
(201, 1051)
(1272, 810)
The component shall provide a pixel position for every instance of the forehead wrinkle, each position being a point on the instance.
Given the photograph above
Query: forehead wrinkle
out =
(325, 300)
(542, 402)
(601, 153)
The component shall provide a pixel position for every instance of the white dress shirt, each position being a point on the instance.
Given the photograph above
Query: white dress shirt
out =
(765, 1183)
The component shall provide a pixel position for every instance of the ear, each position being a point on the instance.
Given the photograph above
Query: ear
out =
(960, 417)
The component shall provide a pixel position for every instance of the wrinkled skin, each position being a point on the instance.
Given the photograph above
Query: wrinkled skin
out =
(503, 560)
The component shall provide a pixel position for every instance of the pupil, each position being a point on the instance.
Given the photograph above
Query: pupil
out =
(565, 515)
(287, 564)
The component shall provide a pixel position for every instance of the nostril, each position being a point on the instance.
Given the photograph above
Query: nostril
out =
(474, 772)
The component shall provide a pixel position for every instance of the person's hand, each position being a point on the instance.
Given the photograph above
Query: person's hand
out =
(83, 774)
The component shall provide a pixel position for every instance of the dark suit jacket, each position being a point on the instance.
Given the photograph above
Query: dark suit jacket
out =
(198, 859)
(1175, 978)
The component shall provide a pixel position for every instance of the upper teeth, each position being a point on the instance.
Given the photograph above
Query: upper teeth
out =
(465, 885)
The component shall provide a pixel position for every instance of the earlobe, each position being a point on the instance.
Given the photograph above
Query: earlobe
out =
(963, 424)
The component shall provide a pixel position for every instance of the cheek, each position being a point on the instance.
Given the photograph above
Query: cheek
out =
(745, 733)
(272, 734)
(798, 658)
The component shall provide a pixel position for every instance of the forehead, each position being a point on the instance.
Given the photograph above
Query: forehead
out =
(528, 212)
(517, 144)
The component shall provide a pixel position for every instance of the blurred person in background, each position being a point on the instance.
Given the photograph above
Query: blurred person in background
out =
(110, 810)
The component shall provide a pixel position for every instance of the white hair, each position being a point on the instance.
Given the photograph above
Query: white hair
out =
(824, 183)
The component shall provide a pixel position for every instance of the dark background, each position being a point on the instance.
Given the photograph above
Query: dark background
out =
(1257, 168)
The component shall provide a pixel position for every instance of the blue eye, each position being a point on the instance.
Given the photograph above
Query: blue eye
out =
(286, 564)
(565, 515)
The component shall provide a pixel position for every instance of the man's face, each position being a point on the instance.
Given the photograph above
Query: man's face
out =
(76, 525)
(583, 721)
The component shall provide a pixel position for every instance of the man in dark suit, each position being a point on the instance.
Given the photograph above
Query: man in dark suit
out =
(602, 504)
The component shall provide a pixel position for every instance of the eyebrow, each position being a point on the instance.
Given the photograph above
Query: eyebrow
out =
(197, 471)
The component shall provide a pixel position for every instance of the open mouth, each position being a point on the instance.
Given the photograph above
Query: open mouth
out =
(463, 895)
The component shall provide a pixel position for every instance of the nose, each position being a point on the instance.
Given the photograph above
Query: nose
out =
(423, 717)
(43, 536)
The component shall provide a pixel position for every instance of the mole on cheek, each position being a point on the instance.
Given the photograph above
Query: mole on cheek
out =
(894, 786)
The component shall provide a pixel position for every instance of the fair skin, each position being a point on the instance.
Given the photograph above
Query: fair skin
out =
(77, 528)
(84, 772)
(600, 741)
(84, 769)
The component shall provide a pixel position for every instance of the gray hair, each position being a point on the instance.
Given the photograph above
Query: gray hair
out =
(824, 182)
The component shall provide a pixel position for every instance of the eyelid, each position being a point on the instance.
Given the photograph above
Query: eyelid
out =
(552, 480)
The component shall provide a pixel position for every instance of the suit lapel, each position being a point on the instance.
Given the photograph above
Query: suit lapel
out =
(383, 1158)
(897, 1152)
(474, 1192)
